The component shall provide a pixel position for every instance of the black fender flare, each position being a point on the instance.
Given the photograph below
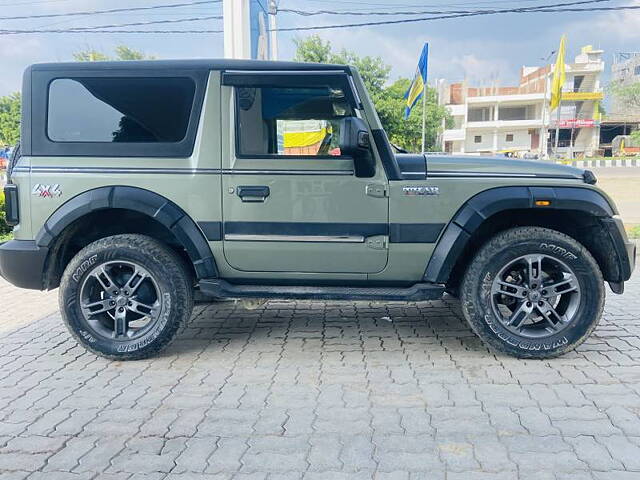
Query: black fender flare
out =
(139, 200)
(485, 204)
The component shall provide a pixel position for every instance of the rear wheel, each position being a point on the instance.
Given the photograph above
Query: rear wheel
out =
(125, 297)
(533, 292)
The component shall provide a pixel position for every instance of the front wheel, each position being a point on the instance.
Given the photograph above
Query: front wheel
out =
(124, 297)
(533, 292)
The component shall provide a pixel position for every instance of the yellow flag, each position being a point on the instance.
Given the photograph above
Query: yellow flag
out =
(558, 76)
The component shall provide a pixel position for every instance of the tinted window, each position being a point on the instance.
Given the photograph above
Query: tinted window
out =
(125, 110)
(302, 121)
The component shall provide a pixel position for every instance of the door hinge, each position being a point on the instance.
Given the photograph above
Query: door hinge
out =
(379, 242)
(377, 190)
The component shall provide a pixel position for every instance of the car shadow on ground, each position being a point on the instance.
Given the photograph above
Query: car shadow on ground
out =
(329, 326)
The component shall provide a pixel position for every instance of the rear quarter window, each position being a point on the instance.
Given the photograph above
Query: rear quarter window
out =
(119, 110)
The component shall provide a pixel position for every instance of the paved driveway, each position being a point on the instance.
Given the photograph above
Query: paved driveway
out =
(326, 390)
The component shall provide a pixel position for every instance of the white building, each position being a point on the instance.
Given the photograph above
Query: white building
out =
(516, 120)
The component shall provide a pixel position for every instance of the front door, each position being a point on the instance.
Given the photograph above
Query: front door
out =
(291, 201)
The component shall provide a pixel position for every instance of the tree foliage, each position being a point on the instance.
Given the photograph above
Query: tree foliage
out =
(4, 227)
(408, 133)
(10, 119)
(373, 70)
(122, 52)
(629, 94)
(388, 99)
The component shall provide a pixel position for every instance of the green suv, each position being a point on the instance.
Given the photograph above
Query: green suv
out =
(141, 187)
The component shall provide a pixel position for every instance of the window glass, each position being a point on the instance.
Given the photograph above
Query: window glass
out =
(477, 139)
(509, 137)
(127, 110)
(290, 121)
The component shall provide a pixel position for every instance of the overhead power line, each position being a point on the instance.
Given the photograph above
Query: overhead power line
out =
(549, 8)
(113, 10)
(140, 24)
(430, 11)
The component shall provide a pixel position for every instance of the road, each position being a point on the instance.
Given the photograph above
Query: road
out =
(623, 184)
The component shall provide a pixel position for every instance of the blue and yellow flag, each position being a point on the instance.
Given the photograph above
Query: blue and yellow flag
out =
(416, 89)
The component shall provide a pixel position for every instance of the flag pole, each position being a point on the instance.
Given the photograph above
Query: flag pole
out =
(424, 115)
(555, 150)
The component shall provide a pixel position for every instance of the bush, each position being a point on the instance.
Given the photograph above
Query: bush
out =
(4, 228)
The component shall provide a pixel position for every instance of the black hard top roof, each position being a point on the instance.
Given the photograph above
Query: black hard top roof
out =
(203, 64)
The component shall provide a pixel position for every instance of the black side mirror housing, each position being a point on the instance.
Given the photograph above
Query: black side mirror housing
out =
(355, 142)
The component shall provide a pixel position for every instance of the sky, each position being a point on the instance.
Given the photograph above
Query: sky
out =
(481, 50)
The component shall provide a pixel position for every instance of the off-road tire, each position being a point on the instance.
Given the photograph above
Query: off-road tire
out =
(169, 272)
(475, 291)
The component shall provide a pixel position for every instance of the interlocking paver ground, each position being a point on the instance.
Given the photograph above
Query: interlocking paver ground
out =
(20, 307)
(319, 390)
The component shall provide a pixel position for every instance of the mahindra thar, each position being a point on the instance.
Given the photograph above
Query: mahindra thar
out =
(141, 187)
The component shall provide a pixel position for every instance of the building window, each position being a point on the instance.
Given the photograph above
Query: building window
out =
(480, 114)
(477, 139)
(524, 112)
(636, 70)
(509, 137)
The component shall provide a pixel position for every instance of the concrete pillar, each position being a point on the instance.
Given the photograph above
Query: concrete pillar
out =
(237, 30)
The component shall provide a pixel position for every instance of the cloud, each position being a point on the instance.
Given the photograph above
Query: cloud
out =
(620, 26)
(450, 58)
(16, 53)
(625, 23)
(477, 70)
(17, 47)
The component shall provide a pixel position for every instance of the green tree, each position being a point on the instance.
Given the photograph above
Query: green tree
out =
(388, 99)
(122, 52)
(408, 133)
(373, 70)
(10, 119)
(90, 55)
(629, 94)
(312, 49)
(4, 228)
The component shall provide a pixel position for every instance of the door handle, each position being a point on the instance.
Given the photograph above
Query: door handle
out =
(253, 193)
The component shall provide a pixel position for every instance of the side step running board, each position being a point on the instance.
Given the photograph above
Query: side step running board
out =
(419, 292)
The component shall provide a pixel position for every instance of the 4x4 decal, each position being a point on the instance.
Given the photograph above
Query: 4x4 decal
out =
(46, 191)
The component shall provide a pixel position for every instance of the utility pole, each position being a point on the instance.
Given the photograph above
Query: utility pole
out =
(273, 34)
(544, 131)
(546, 118)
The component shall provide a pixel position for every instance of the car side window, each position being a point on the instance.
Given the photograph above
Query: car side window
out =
(119, 110)
(282, 121)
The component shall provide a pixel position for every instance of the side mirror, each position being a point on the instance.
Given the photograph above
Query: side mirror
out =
(355, 142)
